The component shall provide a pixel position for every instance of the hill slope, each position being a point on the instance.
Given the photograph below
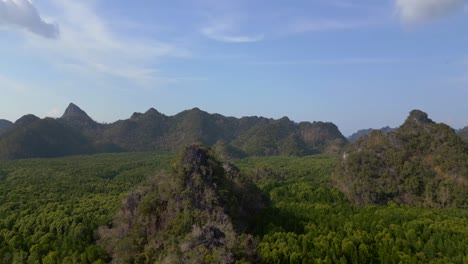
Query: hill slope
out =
(420, 163)
(153, 131)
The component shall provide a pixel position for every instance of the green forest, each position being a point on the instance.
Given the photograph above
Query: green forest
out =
(51, 210)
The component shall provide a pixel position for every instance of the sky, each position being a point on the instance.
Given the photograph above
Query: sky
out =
(356, 63)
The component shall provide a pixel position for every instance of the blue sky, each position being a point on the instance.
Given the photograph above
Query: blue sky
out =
(357, 63)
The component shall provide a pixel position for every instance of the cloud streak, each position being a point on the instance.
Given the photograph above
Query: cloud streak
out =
(221, 32)
(419, 11)
(23, 14)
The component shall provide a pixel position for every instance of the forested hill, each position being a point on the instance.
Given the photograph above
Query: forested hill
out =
(77, 133)
(4, 124)
(191, 216)
(420, 163)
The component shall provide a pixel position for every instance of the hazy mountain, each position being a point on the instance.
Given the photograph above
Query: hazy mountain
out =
(463, 133)
(422, 162)
(4, 124)
(153, 131)
(364, 132)
(31, 137)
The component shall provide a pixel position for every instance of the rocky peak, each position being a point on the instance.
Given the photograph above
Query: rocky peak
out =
(74, 112)
(152, 111)
(418, 117)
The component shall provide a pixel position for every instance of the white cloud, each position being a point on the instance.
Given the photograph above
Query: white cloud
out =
(221, 31)
(417, 11)
(22, 13)
(88, 45)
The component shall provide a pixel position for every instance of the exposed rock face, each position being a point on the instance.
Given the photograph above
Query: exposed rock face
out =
(322, 136)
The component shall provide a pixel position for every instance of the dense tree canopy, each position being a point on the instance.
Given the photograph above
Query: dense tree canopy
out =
(51, 211)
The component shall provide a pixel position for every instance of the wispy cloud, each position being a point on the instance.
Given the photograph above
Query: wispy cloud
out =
(419, 11)
(222, 31)
(87, 44)
(23, 14)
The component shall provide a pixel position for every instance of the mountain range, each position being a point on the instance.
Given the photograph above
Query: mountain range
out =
(77, 133)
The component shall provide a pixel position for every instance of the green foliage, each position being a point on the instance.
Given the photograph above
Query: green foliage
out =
(51, 208)
(50, 211)
(310, 222)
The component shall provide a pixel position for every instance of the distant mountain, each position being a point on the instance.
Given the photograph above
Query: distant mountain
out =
(31, 136)
(4, 124)
(364, 132)
(421, 163)
(463, 133)
(152, 131)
